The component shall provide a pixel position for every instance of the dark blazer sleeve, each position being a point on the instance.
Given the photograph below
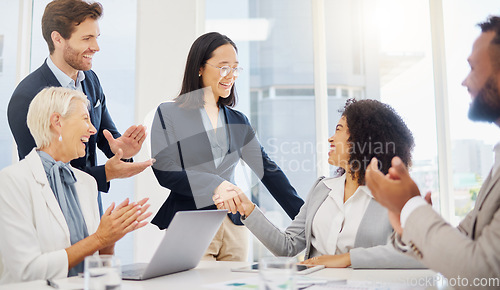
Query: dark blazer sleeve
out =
(169, 167)
(99, 174)
(269, 172)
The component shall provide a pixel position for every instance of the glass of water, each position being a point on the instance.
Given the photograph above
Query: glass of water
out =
(277, 273)
(102, 272)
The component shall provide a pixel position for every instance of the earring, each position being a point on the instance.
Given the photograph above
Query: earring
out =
(60, 138)
(199, 75)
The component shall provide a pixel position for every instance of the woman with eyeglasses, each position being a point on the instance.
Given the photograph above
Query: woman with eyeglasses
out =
(197, 141)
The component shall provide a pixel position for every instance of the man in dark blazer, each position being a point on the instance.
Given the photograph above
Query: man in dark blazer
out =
(70, 28)
(469, 253)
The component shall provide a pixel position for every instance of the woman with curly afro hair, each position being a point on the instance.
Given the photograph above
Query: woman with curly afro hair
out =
(341, 224)
(375, 130)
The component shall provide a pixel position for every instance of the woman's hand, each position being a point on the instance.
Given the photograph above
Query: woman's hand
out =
(330, 261)
(231, 197)
(245, 206)
(117, 222)
(228, 197)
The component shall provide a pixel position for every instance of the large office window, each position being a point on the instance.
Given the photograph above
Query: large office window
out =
(472, 142)
(9, 19)
(276, 89)
(115, 66)
(406, 82)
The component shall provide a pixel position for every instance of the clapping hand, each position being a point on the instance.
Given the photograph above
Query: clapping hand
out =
(117, 222)
(130, 142)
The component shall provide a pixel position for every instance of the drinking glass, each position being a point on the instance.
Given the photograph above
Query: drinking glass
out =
(277, 273)
(102, 272)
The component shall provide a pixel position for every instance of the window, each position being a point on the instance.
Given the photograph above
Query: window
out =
(472, 142)
(278, 62)
(406, 81)
(9, 19)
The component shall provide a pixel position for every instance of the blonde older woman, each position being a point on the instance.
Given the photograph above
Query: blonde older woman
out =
(49, 217)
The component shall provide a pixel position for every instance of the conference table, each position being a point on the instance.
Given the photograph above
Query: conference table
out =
(218, 275)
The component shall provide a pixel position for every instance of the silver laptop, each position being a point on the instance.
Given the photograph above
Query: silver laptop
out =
(186, 240)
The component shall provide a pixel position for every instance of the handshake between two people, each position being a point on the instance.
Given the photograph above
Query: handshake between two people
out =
(230, 197)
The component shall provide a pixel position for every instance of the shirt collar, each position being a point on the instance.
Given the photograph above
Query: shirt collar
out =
(64, 79)
(339, 182)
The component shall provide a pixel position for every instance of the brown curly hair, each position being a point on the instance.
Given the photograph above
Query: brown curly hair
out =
(375, 130)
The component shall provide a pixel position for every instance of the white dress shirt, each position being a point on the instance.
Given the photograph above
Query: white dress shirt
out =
(336, 223)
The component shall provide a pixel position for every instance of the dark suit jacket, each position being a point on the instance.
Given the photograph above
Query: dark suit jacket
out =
(42, 78)
(184, 162)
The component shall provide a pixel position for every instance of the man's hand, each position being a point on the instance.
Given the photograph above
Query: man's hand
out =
(395, 220)
(130, 142)
(393, 190)
(116, 168)
(428, 197)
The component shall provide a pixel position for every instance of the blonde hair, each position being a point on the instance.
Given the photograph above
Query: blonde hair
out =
(48, 101)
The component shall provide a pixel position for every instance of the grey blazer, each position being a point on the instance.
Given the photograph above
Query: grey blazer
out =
(372, 249)
(472, 250)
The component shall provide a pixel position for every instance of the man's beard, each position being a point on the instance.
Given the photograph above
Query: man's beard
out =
(72, 58)
(486, 105)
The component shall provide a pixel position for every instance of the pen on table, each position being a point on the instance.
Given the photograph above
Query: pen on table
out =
(53, 284)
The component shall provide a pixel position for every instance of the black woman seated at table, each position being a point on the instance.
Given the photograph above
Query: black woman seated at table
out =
(341, 224)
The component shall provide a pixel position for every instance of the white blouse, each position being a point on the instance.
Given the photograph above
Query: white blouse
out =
(336, 223)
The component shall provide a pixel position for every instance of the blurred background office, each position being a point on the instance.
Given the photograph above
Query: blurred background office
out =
(302, 60)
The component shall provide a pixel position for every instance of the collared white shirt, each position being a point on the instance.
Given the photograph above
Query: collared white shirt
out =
(335, 225)
(64, 79)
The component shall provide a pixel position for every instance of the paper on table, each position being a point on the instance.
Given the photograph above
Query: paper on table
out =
(74, 283)
(254, 282)
(365, 285)
(246, 283)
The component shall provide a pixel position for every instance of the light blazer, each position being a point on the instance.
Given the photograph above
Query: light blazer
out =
(184, 162)
(371, 247)
(99, 115)
(472, 250)
(33, 230)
